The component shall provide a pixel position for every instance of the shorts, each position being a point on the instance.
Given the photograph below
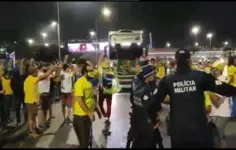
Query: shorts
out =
(45, 101)
(66, 99)
(32, 110)
(221, 123)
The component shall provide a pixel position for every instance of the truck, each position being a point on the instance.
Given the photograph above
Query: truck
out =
(124, 49)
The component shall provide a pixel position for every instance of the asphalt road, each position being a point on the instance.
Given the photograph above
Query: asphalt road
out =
(61, 135)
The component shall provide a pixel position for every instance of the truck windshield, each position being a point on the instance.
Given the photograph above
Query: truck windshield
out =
(125, 37)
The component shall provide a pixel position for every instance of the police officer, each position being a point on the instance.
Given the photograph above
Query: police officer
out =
(188, 121)
(144, 124)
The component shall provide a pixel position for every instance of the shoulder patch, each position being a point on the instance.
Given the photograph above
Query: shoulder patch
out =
(155, 91)
(218, 82)
(145, 97)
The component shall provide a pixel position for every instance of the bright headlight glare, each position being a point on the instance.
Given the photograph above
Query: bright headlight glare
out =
(126, 44)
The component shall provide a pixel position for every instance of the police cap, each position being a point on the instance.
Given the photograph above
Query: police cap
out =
(182, 55)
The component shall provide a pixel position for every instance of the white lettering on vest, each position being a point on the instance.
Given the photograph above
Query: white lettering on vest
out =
(184, 86)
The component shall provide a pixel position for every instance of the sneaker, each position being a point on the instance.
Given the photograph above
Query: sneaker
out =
(107, 121)
(106, 132)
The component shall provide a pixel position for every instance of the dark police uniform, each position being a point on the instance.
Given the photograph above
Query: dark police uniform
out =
(188, 121)
(143, 117)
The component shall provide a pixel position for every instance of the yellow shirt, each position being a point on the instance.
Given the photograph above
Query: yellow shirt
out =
(83, 88)
(161, 72)
(207, 99)
(207, 70)
(31, 90)
(231, 77)
(6, 84)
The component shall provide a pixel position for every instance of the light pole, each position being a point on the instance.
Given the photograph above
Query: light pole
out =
(106, 12)
(58, 31)
(195, 31)
(44, 36)
(209, 36)
(168, 44)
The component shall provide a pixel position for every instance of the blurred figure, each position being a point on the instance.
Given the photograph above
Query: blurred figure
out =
(84, 106)
(2, 108)
(66, 92)
(17, 84)
(161, 71)
(221, 110)
(32, 97)
(57, 81)
(44, 93)
(144, 130)
(6, 83)
(105, 91)
(231, 79)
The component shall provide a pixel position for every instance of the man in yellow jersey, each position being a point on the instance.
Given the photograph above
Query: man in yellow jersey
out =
(6, 83)
(221, 109)
(207, 68)
(84, 106)
(161, 71)
(32, 97)
(231, 79)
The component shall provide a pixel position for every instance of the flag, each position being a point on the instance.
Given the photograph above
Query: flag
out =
(13, 57)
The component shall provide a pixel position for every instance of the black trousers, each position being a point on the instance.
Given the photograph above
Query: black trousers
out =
(2, 111)
(19, 100)
(82, 126)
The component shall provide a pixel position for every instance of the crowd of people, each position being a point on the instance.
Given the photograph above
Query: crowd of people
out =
(200, 101)
(81, 86)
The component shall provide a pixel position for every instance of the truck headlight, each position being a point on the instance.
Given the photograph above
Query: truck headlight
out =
(126, 44)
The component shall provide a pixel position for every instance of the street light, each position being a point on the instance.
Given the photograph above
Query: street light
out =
(92, 34)
(53, 24)
(106, 12)
(195, 31)
(30, 41)
(168, 44)
(209, 36)
(44, 36)
(46, 44)
(62, 46)
(226, 43)
(196, 44)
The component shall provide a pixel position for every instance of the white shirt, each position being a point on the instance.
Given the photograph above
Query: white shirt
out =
(66, 82)
(44, 85)
(224, 108)
(225, 71)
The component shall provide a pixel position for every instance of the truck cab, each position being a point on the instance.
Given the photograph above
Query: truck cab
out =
(125, 47)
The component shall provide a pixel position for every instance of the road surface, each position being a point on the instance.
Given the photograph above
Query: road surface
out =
(63, 136)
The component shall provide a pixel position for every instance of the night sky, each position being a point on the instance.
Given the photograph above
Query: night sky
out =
(168, 21)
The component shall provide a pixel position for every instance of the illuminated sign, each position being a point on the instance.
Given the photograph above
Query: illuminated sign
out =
(86, 47)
